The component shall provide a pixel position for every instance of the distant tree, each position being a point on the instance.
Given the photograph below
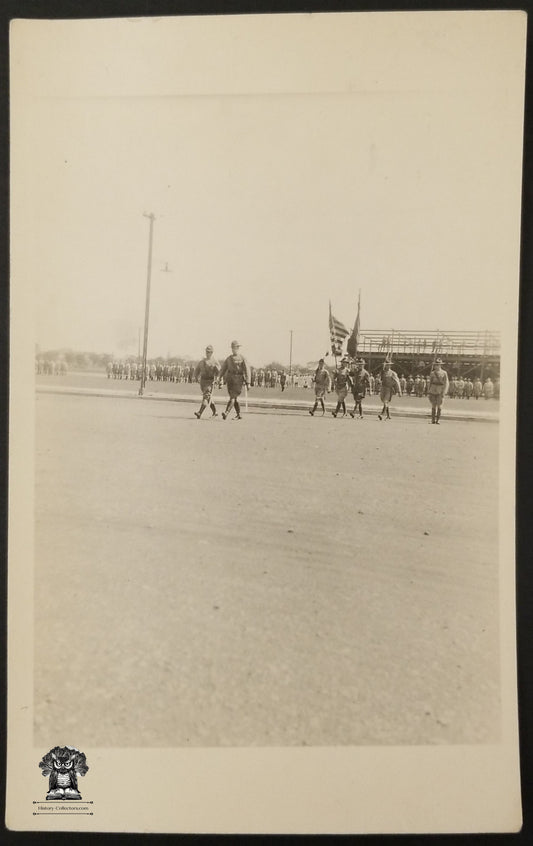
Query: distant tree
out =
(275, 365)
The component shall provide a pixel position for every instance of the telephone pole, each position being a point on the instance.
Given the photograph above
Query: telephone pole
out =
(151, 218)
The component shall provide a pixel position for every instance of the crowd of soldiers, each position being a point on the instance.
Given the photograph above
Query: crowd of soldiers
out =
(50, 367)
(156, 371)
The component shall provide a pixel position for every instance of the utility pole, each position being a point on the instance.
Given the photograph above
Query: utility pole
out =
(151, 218)
(290, 356)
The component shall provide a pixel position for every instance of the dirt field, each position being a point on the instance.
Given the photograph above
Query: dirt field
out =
(279, 580)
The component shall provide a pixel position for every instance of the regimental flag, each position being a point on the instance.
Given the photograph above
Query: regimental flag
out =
(353, 340)
(337, 333)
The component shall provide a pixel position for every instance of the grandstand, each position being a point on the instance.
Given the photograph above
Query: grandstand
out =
(468, 353)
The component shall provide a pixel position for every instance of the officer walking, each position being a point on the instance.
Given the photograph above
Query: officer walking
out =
(438, 386)
(206, 373)
(236, 372)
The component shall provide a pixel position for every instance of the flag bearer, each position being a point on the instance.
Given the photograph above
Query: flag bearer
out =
(342, 381)
(361, 382)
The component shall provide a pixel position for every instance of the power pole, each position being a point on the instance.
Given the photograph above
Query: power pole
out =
(290, 356)
(151, 218)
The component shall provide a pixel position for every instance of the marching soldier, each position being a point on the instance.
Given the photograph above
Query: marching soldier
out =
(361, 382)
(390, 385)
(322, 381)
(438, 386)
(206, 373)
(343, 381)
(236, 372)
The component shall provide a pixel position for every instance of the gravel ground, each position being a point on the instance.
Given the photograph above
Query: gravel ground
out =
(279, 580)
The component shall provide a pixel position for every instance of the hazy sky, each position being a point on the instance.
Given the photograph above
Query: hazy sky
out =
(288, 161)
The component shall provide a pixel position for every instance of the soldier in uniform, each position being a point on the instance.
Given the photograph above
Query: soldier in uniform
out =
(438, 386)
(390, 385)
(360, 384)
(206, 373)
(236, 372)
(342, 381)
(322, 381)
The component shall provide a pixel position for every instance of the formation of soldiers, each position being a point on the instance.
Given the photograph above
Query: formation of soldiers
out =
(459, 387)
(156, 371)
(50, 367)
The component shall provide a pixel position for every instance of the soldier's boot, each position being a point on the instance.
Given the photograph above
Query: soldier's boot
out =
(199, 413)
(228, 409)
(213, 408)
(343, 406)
(323, 407)
(336, 410)
(238, 411)
(388, 413)
(312, 410)
(438, 416)
(433, 410)
(381, 413)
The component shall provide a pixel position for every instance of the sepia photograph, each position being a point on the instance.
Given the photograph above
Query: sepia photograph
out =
(265, 306)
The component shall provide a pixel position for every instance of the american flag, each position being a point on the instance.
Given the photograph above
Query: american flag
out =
(337, 332)
(353, 340)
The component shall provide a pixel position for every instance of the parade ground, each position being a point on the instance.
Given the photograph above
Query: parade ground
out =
(280, 580)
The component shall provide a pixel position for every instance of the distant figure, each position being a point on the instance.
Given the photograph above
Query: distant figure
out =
(322, 381)
(236, 373)
(478, 388)
(469, 388)
(438, 386)
(488, 389)
(206, 373)
(283, 380)
(390, 385)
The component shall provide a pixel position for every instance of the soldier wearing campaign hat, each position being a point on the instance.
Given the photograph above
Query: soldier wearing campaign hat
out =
(390, 385)
(360, 384)
(438, 387)
(236, 372)
(342, 381)
(322, 381)
(206, 372)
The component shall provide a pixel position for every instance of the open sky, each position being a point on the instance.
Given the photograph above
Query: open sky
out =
(289, 160)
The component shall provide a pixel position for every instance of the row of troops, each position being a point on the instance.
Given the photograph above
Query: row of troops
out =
(50, 367)
(459, 387)
(155, 371)
(160, 372)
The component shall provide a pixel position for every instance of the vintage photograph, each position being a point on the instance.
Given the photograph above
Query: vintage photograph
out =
(269, 277)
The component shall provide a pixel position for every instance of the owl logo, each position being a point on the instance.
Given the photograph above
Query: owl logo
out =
(63, 765)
